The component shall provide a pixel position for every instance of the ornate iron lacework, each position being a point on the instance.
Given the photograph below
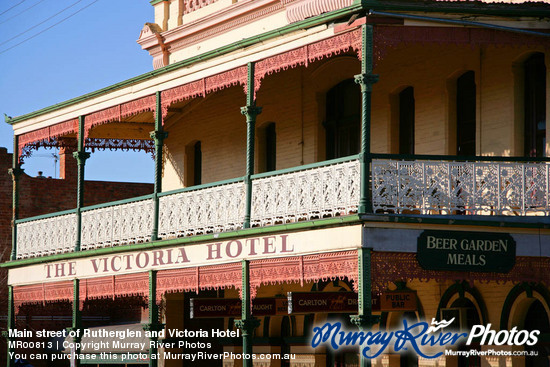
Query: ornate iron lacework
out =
(327, 191)
(181, 93)
(389, 267)
(209, 210)
(200, 88)
(118, 112)
(306, 54)
(476, 188)
(48, 236)
(300, 269)
(117, 225)
(199, 278)
(48, 137)
(115, 286)
(42, 293)
(145, 145)
(388, 37)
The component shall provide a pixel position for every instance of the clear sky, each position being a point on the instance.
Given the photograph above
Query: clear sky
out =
(94, 48)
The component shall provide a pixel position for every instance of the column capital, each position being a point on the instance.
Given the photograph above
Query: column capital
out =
(81, 157)
(156, 326)
(251, 111)
(248, 325)
(158, 135)
(366, 80)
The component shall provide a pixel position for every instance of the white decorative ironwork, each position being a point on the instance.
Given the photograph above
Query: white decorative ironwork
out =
(321, 192)
(117, 225)
(46, 236)
(207, 210)
(474, 188)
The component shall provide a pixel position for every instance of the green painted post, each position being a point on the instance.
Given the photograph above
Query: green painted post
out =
(154, 326)
(366, 80)
(15, 173)
(364, 320)
(158, 135)
(250, 111)
(76, 326)
(247, 323)
(10, 323)
(81, 156)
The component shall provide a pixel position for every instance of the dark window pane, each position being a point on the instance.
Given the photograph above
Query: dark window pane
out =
(535, 106)
(406, 121)
(466, 114)
(343, 120)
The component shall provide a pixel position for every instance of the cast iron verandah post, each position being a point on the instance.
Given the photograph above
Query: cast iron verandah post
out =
(81, 156)
(158, 135)
(250, 111)
(247, 323)
(364, 319)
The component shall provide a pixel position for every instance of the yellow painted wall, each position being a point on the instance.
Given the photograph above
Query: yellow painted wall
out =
(295, 100)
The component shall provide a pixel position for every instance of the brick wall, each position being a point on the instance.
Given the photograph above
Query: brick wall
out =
(46, 195)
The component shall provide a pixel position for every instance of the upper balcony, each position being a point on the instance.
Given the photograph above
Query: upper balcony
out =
(327, 189)
(451, 137)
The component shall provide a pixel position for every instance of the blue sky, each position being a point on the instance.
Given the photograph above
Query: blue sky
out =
(92, 49)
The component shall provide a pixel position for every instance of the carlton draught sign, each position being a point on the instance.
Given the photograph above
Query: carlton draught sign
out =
(466, 251)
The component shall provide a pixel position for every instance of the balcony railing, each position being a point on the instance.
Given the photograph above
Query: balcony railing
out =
(450, 187)
(122, 222)
(320, 190)
(202, 209)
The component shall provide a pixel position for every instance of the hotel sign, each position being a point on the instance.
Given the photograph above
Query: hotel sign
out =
(466, 251)
(191, 255)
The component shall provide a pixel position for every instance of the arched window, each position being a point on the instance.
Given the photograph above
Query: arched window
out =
(343, 120)
(537, 319)
(466, 114)
(535, 106)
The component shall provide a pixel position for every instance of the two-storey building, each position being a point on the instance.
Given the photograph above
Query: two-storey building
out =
(314, 160)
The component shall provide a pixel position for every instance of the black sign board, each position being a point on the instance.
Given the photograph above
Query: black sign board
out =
(466, 251)
(311, 302)
(231, 307)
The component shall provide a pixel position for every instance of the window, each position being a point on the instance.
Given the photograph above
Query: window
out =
(343, 120)
(267, 148)
(406, 121)
(535, 106)
(197, 167)
(193, 164)
(466, 114)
